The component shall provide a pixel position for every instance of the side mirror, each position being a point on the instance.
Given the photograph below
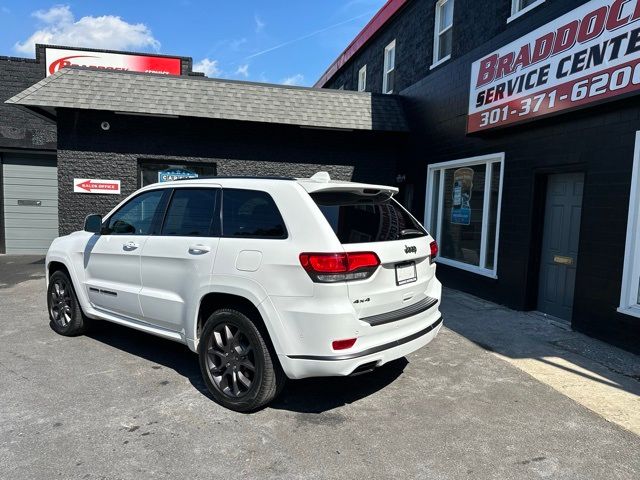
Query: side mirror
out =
(93, 223)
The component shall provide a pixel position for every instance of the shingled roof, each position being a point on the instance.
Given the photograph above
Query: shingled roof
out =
(200, 97)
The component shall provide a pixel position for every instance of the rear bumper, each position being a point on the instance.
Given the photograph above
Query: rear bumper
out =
(303, 366)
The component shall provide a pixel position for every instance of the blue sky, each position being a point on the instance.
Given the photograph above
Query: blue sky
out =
(280, 41)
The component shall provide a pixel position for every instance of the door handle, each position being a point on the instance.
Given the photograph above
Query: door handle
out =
(199, 249)
(129, 246)
(560, 260)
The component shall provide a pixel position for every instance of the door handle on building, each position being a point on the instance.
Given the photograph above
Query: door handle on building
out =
(199, 249)
(129, 246)
(560, 260)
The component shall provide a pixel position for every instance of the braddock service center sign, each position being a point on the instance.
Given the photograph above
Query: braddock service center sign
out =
(589, 55)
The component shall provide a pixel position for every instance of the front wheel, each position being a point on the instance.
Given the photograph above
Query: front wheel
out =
(236, 363)
(64, 310)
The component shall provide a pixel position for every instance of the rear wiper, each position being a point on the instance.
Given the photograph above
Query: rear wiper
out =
(410, 232)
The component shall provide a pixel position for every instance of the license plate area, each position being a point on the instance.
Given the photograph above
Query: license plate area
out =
(406, 273)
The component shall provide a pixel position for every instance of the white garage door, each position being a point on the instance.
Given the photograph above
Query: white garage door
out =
(30, 202)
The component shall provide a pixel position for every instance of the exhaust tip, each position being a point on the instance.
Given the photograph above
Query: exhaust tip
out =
(364, 368)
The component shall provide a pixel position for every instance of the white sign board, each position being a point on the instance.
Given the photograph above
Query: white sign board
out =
(95, 185)
(589, 55)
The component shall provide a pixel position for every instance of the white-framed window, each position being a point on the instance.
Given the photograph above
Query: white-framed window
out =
(463, 212)
(443, 32)
(362, 79)
(630, 291)
(520, 7)
(389, 71)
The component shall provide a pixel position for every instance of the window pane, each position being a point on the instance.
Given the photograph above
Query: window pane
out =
(136, 216)
(493, 216)
(166, 172)
(251, 214)
(444, 46)
(525, 3)
(191, 213)
(446, 15)
(390, 81)
(362, 79)
(435, 196)
(463, 198)
(391, 58)
(358, 218)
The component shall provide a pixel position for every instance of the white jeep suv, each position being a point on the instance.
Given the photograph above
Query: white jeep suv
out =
(264, 278)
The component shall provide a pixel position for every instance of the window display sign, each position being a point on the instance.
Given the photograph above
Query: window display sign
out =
(589, 55)
(462, 190)
(175, 174)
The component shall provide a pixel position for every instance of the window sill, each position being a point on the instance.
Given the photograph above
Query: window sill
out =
(440, 62)
(469, 268)
(633, 311)
(524, 11)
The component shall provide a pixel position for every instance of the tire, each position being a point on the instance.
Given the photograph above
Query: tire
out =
(238, 366)
(65, 315)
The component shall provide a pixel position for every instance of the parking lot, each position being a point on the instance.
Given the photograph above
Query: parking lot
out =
(118, 404)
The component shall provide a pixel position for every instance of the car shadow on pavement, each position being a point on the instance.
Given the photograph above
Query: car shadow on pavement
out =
(166, 353)
(319, 395)
(314, 395)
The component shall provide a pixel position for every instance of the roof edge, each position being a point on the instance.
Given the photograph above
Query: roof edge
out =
(378, 21)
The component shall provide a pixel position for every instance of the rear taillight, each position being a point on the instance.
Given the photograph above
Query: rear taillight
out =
(434, 252)
(339, 267)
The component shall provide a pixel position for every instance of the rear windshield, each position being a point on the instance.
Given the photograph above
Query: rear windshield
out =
(361, 218)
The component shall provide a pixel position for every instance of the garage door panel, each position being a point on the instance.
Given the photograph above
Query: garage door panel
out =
(30, 193)
(30, 228)
(39, 173)
(16, 210)
(30, 246)
(27, 234)
(34, 221)
(21, 182)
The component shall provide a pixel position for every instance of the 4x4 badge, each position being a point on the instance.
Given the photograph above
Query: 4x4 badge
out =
(408, 249)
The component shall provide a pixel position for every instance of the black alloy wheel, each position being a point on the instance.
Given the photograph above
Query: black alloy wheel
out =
(65, 313)
(238, 363)
(231, 360)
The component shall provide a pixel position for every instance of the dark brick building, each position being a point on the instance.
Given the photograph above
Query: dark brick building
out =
(29, 214)
(548, 226)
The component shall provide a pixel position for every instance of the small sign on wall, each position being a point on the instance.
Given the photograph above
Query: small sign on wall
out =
(95, 185)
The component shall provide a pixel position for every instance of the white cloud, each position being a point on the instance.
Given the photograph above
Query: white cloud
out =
(207, 66)
(59, 26)
(260, 24)
(58, 14)
(243, 71)
(297, 79)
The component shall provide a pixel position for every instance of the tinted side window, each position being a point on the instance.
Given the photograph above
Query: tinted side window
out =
(191, 213)
(251, 214)
(136, 216)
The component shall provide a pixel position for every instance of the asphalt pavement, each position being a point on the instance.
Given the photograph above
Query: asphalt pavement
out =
(118, 404)
(16, 269)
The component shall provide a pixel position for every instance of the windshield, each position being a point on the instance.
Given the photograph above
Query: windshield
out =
(360, 218)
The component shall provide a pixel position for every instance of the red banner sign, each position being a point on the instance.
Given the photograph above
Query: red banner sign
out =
(57, 58)
(589, 55)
